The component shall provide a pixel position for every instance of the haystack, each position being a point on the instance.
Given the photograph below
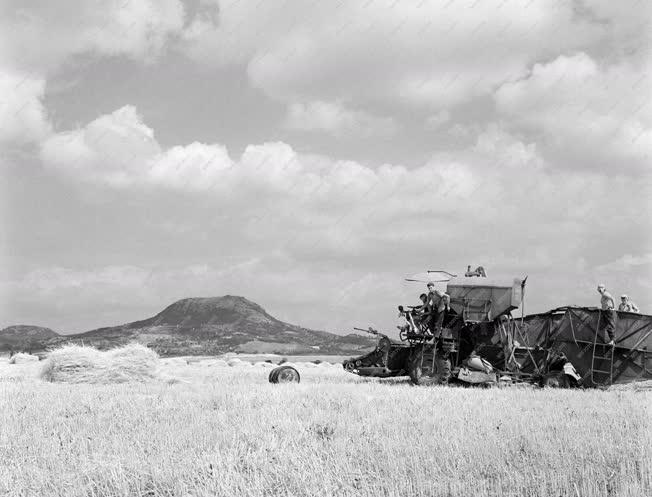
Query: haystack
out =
(215, 363)
(75, 364)
(22, 358)
(174, 361)
(265, 365)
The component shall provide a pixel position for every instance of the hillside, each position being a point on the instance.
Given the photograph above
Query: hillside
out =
(208, 326)
(25, 337)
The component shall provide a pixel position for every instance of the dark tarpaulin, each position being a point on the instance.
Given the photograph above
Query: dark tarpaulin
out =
(579, 332)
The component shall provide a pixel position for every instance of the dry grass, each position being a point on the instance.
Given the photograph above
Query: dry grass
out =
(226, 431)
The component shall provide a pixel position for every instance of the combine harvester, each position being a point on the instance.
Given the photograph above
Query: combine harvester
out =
(482, 343)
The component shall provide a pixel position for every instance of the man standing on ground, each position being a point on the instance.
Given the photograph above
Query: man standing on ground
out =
(438, 304)
(608, 306)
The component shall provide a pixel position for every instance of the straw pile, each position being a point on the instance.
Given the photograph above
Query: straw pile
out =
(213, 363)
(75, 364)
(22, 358)
(265, 365)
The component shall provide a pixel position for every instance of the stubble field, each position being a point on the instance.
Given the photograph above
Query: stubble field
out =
(226, 431)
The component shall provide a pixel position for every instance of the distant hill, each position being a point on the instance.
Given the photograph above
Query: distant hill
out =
(25, 337)
(208, 326)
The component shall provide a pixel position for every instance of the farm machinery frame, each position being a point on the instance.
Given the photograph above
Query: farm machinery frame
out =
(481, 343)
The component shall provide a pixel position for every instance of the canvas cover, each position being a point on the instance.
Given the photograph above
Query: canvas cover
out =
(579, 333)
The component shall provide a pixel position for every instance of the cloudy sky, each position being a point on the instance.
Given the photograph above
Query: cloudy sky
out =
(311, 154)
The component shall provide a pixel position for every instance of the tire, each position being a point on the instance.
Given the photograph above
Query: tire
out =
(444, 368)
(284, 374)
(420, 375)
(555, 380)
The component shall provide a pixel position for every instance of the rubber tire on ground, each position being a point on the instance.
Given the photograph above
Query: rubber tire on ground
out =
(284, 374)
(555, 380)
(440, 375)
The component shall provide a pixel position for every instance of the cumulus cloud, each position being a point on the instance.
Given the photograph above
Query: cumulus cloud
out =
(38, 36)
(592, 115)
(119, 150)
(282, 221)
(516, 100)
(337, 120)
(23, 119)
(343, 206)
(111, 149)
(414, 53)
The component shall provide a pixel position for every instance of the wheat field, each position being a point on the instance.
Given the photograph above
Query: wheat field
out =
(225, 431)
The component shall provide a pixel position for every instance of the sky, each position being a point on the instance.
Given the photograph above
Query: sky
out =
(309, 155)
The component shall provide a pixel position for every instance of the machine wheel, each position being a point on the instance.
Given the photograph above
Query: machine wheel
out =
(284, 374)
(349, 366)
(555, 380)
(419, 368)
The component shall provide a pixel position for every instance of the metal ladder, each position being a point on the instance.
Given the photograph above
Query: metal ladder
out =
(428, 357)
(602, 363)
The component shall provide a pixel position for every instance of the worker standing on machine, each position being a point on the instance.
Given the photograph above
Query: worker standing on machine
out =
(627, 305)
(438, 304)
(608, 307)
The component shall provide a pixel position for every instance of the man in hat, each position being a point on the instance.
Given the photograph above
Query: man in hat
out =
(438, 303)
(608, 306)
(627, 305)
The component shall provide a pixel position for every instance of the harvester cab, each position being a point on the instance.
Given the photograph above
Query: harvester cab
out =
(437, 355)
(485, 299)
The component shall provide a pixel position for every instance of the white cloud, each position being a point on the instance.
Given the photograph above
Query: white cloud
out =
(593, 115)
(570, 86)
(194, 167)
(415, 53)
(342, 205)
(337, 120)
(507, 150)
(316, 225)
(23, 119)
(120, 151)
(112, 149)
(38, 36)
